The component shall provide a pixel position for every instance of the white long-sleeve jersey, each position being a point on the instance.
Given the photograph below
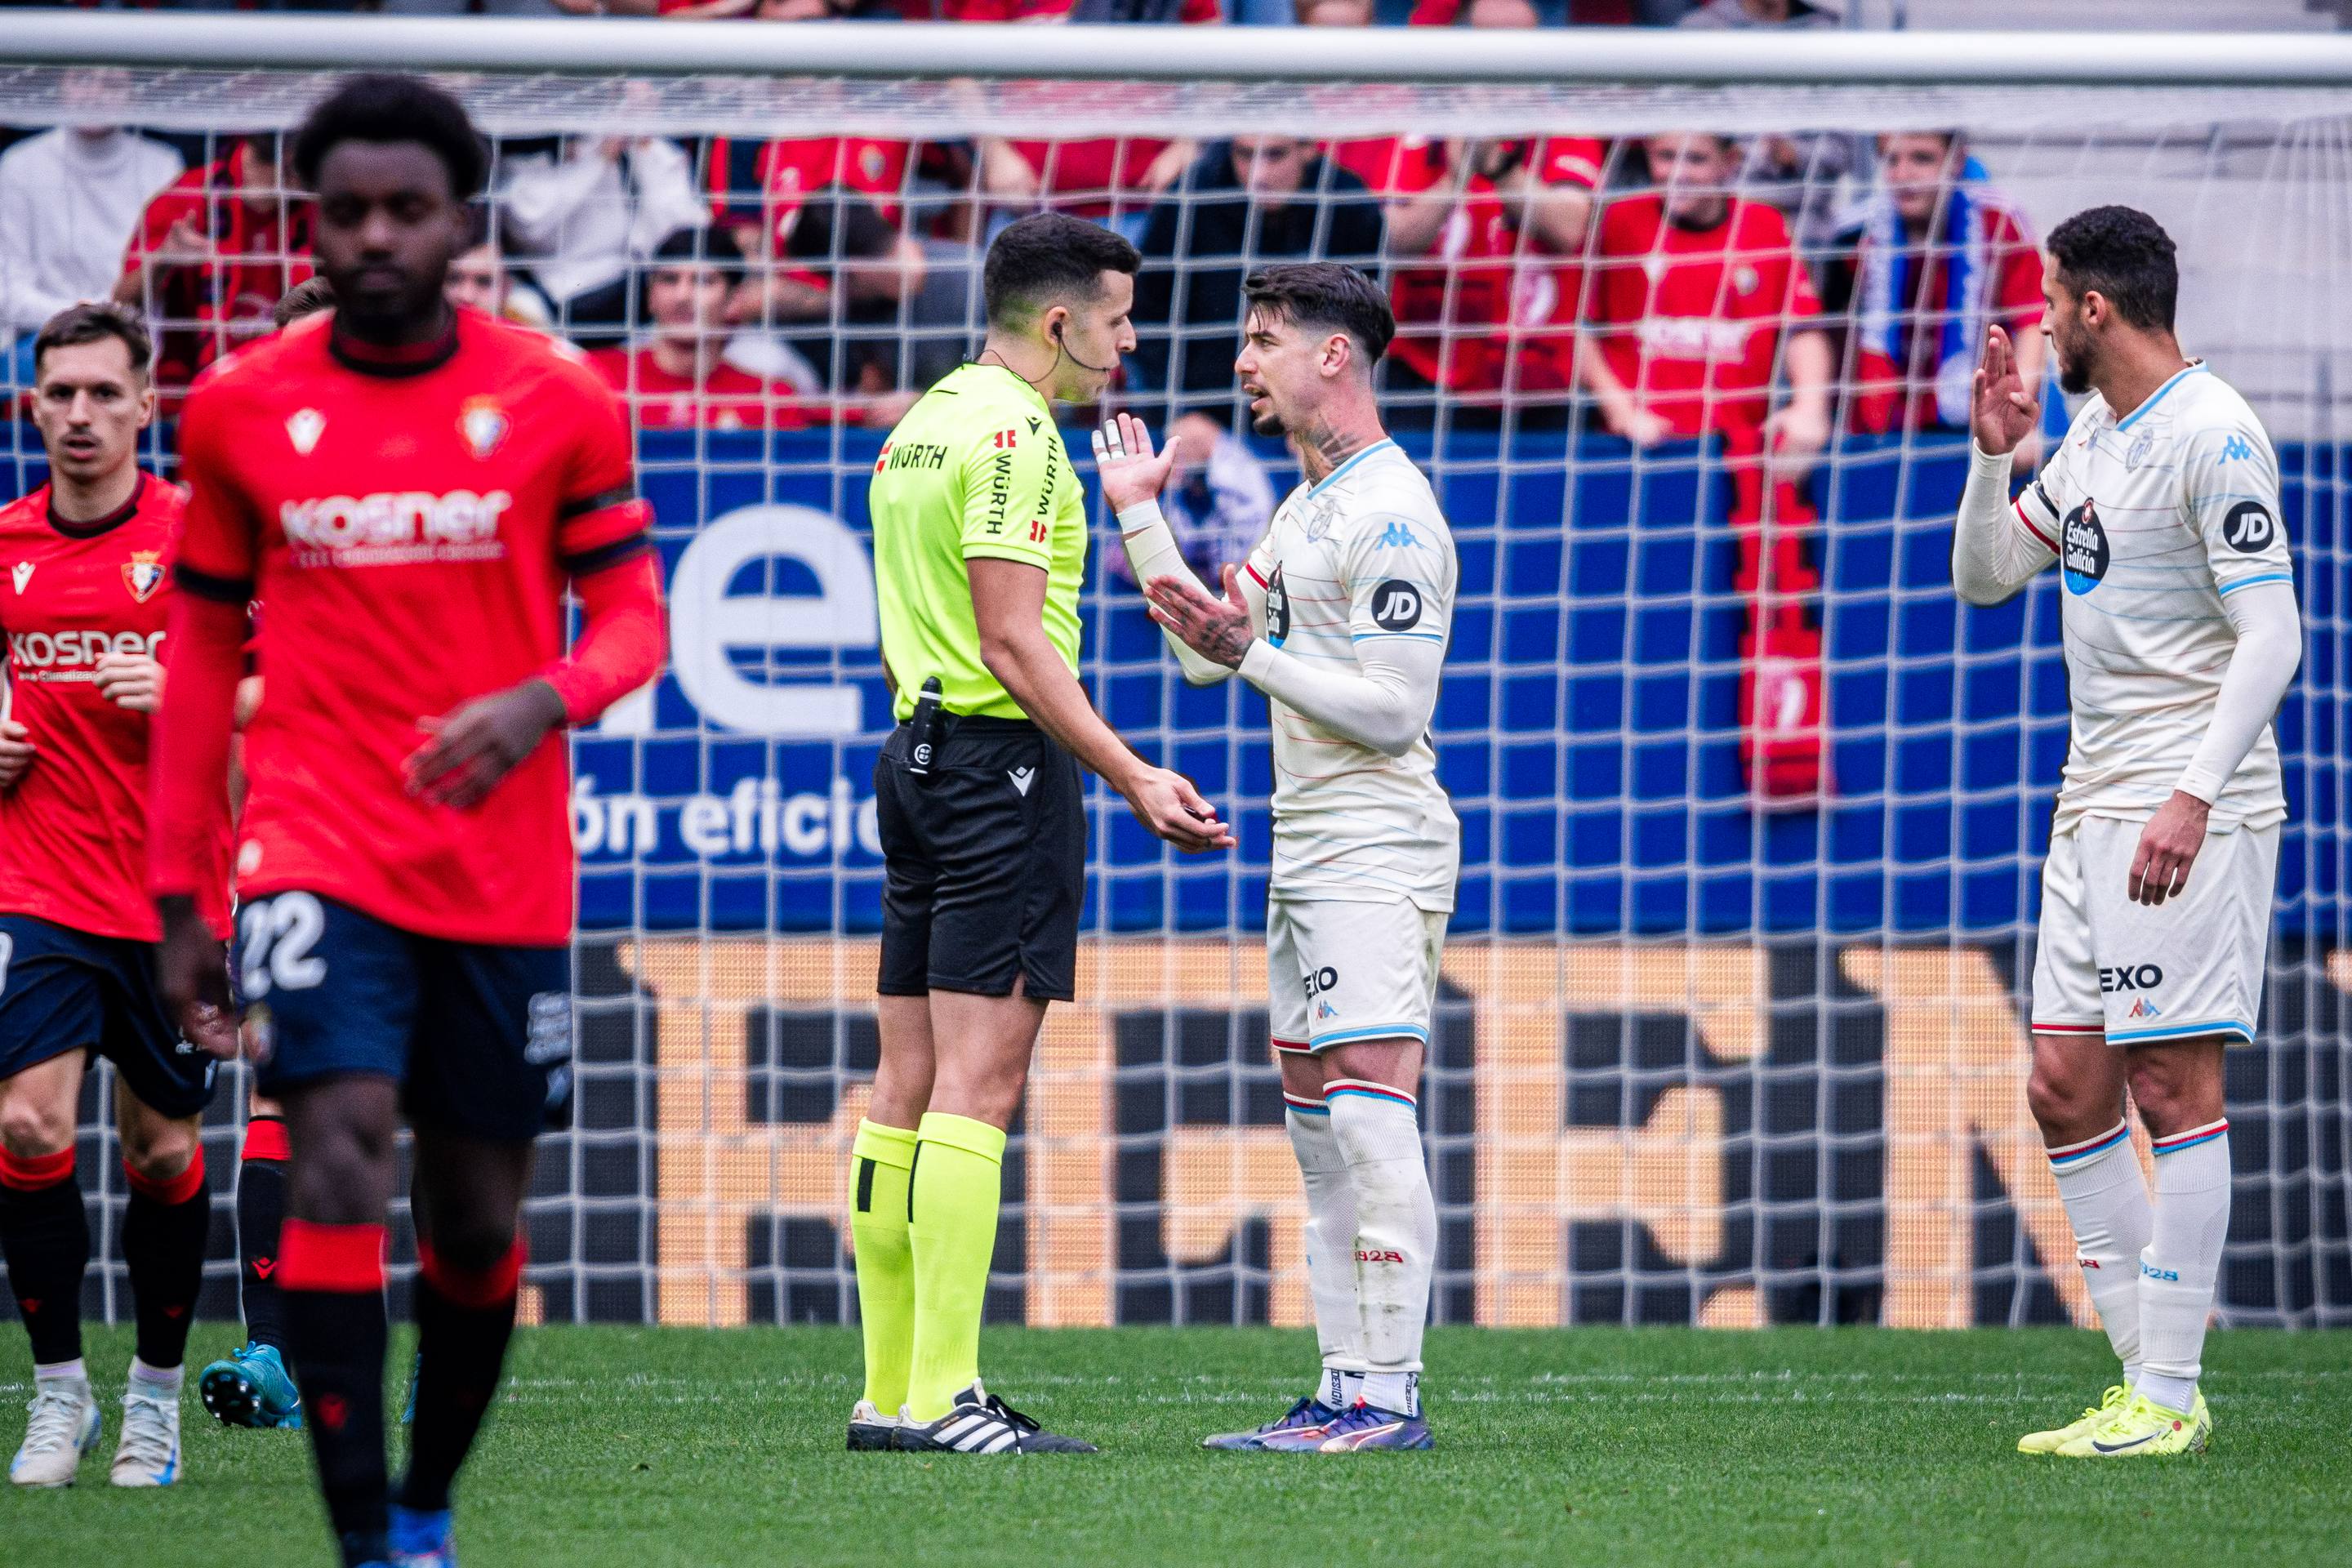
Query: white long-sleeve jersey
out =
(1355, 567)
(2165, 527)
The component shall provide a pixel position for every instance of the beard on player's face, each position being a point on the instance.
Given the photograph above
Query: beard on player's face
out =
(2077, 352)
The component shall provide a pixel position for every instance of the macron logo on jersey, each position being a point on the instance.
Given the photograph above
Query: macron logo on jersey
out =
(22, 573)
(394, 527)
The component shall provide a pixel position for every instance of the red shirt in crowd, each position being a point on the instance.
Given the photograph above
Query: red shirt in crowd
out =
(2012, 296)
(412, 521)
(206, 309)
(777, 179)
(73, 830)
(1690, 320)
(728, 399)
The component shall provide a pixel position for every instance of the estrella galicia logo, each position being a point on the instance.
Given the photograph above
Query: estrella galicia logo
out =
(2249, 528)
(1396, 605)
(2083, 560)
(1277, 609)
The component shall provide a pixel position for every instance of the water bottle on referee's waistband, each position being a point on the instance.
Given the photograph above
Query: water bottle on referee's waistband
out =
(923, 729)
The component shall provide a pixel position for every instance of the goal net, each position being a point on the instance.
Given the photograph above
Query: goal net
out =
(1732, 1026)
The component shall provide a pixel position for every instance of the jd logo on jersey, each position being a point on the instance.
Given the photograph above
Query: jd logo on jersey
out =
(1396, 605)
(2249, 528)
(2083, 555)
(1277, 609)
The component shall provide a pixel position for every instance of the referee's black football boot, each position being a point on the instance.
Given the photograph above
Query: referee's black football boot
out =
(870, 1431)
(980, 1423)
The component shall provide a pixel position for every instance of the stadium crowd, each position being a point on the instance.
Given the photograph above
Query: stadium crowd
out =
(1765, 292)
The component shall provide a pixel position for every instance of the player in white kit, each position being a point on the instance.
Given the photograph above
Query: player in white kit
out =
(1341, 616)
(2161, 511)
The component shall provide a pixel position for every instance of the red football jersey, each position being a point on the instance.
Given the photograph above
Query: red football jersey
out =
(411, 523)
(1448, 309)
(73, 832)
(1690, 320)
(208, 309)
(730, 399)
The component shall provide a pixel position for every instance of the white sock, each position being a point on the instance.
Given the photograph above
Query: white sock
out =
(74, 1371)
(2182, 1262)
(162, 1379)
(1330, 1246)
(1396, 1234)
(2107, 1202)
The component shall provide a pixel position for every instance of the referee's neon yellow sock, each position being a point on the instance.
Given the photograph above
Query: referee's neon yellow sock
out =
(958, 1174)
(880, 1163)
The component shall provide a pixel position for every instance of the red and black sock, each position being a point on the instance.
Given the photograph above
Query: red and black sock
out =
(464, 1318)
(165, 1227)
(46, 1236)
(260, 1210)
(332, 1277)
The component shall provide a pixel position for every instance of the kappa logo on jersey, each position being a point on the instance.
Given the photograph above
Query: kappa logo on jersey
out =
(304, 428)
(2249, 528)
(1397, 536)
(2144, 1008)
(1396, 605)
(21, 574)
(1277, 609)
(2083, 549)
(395, 528)
(484, 425)
(2237, 449)
(143, 574)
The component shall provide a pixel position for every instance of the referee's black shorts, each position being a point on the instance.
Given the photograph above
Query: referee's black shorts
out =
(984, 862)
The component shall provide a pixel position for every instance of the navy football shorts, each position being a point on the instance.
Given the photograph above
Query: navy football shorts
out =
(477, 1035)
(63, 990)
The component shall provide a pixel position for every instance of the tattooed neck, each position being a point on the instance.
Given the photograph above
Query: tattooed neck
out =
(1322, 448)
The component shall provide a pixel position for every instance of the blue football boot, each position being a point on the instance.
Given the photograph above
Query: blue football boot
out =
(1362, 1428)
(252, 1388)
(1299, 1429)
(422, 1540)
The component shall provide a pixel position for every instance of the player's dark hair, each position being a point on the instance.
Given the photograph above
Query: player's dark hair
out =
(1324, 296)
(714, 248)
(94, 321)
(382, 107)
(2126, 257)
(307, 297)
(1048, 258)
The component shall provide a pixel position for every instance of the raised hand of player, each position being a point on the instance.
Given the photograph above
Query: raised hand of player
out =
(2001, 412)
(16, 751)
(2168, 848)
(1165, 801)
(1217, 629)
(192, 972)
(472, 749)
(1131, 472)
(132, 681)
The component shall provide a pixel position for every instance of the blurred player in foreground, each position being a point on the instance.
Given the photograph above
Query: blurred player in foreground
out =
(409, 491)
(87, 558)
(2161, 511)
(251, 1386)
(1341, 616)
(980, 545)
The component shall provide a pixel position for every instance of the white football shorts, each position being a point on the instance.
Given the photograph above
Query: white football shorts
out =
(1338, 971)
(2191, 965)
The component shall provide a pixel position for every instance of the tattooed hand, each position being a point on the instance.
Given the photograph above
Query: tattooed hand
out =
(1216, 629)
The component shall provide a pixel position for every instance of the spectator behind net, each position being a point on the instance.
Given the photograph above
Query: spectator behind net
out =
(590, 215)
(677, 377)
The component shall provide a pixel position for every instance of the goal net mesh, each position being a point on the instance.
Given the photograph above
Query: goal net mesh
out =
(1709, 1048)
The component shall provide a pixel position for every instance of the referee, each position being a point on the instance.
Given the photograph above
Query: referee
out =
(980, 544)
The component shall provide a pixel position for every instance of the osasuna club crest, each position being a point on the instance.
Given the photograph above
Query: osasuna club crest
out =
(143, 574)
(304, 428)
(484, 426)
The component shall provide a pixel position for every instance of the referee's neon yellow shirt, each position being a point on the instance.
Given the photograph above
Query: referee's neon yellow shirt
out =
(976, 470)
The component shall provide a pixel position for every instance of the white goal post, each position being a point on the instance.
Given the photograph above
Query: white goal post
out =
(1697, 1061)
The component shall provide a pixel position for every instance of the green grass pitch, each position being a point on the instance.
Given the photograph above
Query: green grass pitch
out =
(652, 1448)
